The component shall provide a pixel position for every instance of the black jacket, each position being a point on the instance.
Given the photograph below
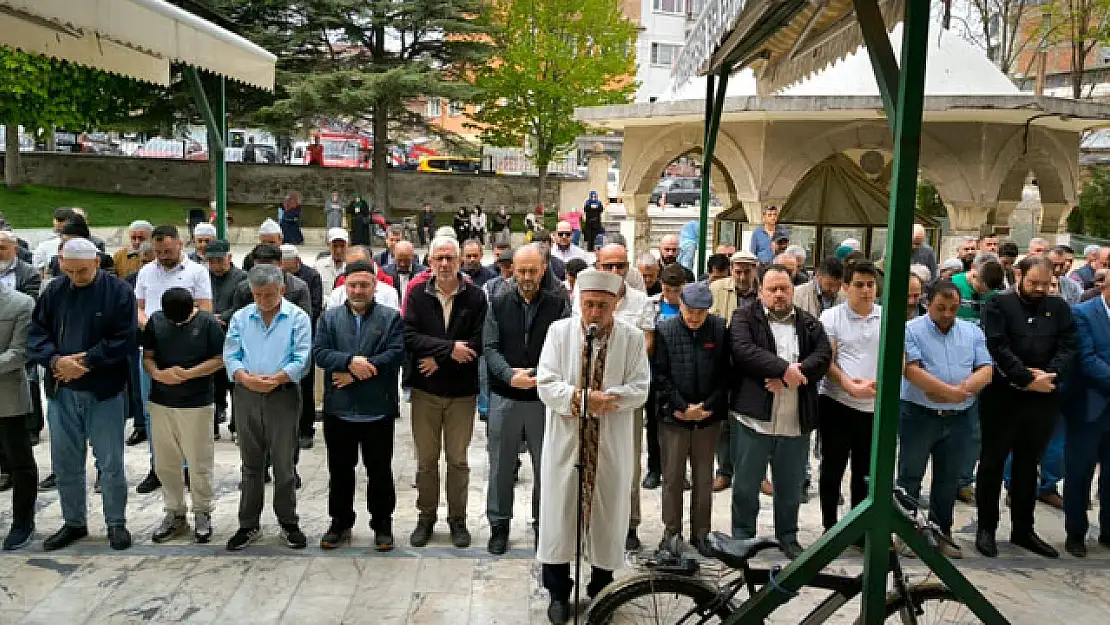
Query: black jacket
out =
(514, 335)
(691, 367)
(296, 291)
(381, 340)
(1022, 335)
(311, 277)
(100, 320)
(223, 291)
(755, 360)
(425, 336)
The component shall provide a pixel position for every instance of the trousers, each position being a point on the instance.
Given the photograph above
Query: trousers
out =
(1087, 443)
(19, 460)
(678, 445)
(557, 581)
(78, 419)
(510, 422)
(180, 435)
(267, 428)
(845, 434)
(925, 434)
(345, 440)
(447, 424)
(751, 453)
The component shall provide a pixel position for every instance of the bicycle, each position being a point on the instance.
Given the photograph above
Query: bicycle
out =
(670, 592)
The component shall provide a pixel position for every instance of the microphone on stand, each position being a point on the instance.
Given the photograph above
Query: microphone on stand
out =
(591, 330)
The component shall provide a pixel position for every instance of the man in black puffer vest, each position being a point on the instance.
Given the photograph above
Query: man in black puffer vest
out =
(515, 329)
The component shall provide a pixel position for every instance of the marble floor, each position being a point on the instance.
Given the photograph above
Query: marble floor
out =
(181, 582)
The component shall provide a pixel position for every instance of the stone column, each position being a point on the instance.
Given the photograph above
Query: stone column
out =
(1054, 220)
(964, 219)
(1004, 212)
(636, 209)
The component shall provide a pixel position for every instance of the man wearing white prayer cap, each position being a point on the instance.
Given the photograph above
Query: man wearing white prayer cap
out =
(203, 234)
(269, 233)
(128, 260)
(331, 266)
(87, 368)
(615, 384)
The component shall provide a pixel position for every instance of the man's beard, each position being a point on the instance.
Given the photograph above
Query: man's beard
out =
(169, 264)
(1028, 296)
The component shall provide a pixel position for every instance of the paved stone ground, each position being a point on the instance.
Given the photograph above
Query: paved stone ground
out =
(269, 583)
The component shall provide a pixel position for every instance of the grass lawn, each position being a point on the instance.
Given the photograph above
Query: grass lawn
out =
(32, 206)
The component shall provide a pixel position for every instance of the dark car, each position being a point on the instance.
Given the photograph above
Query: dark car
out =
(679, 192)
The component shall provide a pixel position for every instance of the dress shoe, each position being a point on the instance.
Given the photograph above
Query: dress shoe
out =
(119, 538)
(1052, 498)
(137, 436)
(1075, 546)
(383, 540)
(423, 533)
(632, 541)
(558, 612)
(984, 543)
(149, 484)
(335, 537)
(651, 481)
(19, 537)
(1029, 540)
(967, 495)
(721, 483)
(460, 536)
(64, 537)
(50, 482)
(5, 482)
(767, 488)
(498, 539)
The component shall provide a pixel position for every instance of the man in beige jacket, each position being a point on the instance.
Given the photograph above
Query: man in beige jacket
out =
(823, 291)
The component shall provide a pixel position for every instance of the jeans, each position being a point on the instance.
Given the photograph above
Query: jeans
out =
(136, 407)
(344, 441)
(724, 450)
(924, 433)
(76, 417)
(974, 447)
(1052, 464)
(483, 387)
(1088, 444)
(751, 453)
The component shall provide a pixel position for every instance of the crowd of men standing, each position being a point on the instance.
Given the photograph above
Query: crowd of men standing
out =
(742, 365)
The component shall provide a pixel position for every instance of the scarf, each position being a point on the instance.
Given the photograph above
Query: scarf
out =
(591, 425)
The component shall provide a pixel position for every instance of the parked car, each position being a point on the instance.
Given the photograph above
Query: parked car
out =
(679, 192)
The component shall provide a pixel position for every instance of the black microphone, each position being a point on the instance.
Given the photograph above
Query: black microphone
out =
(591, 330)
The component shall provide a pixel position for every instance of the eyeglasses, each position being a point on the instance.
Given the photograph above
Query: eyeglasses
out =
(612, 266)
(562, 234)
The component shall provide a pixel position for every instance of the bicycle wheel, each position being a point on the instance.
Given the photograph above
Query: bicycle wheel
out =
(658, 598)
(938, 606)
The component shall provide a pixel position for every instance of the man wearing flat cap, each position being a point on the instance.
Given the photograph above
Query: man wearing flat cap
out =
(83, 330)
(691, 367)
(616, 384)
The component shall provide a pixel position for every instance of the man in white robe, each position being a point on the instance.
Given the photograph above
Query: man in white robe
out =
(622, 388)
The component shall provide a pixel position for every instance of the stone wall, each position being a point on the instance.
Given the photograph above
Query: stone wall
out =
(268, 184)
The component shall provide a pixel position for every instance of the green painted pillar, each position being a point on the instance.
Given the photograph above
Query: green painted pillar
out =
(221, 164)
(714, 105)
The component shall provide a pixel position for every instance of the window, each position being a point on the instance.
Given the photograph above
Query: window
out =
(435, 108)
(668, 6)
(664, 53)
(454, 109)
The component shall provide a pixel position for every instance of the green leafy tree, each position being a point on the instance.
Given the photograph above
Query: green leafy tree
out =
(1094, 205)
(1076, 28)
(551, 57)
(40, 93)
(363, 62)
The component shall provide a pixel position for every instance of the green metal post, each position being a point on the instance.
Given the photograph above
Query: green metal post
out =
(217, 131)
(883, 63)
(907, 142)
(221, 165)
(714, 105)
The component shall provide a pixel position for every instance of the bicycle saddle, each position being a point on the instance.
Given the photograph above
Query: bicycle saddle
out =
(734, 552)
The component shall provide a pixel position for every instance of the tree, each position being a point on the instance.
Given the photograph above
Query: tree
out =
(997, 25)
(1094, 204)
(362, 62)
(552, 56)
(1078, 26)
(38, 92)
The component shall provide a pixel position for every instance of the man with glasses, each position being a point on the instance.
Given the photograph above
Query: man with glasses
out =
(443, 318)
(127, 260)
(472, 263)
(1070, 290)
(564, 248)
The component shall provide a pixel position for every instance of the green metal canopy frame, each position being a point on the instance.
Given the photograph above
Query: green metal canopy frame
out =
(903, 93)
(216, 123)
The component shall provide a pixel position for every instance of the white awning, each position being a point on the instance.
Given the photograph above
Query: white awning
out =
(134, 38)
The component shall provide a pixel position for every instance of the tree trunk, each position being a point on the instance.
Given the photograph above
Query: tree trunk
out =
(50, 139)
(541, 185)
(13, 169)
(379, 165)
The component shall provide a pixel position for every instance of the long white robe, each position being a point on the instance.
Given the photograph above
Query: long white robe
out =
(627, 376)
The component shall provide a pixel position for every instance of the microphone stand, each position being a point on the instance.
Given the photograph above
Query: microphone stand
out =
(590, 331)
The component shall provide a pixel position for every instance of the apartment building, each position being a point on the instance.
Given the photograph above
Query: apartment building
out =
(664, 25)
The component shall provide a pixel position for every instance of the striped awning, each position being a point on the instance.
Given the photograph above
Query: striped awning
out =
(783, 41)
(134, 38)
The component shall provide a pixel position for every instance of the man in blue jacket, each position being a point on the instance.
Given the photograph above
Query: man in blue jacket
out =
(360, 347)
(84, 329)
(1087, 423)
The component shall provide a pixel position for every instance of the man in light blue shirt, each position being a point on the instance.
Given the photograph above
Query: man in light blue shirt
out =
(266, 351)
(947, 364)
(763, 238)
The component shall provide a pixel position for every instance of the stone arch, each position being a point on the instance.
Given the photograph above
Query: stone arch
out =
(938, 163)
(729, 161)
(1043, 155)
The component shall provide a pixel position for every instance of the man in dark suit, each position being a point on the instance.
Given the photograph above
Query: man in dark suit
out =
(404, 267)
(1087, 423)
(21, 276)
